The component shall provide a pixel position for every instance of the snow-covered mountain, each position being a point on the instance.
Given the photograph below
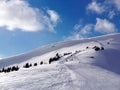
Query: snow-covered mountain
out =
(88, 64)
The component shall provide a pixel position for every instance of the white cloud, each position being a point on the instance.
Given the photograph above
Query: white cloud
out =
(18, 14)
(96, 7)
(111, 14)
(104, 26)
(75, 36)
(117, 4)
(86, 29)
(54, 17)
(82, 32)
(110, 7)
(77, 27)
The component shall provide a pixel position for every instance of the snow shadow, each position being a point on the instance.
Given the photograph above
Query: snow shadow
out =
(111, 60)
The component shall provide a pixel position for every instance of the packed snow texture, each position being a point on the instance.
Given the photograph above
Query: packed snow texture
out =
(83, 69)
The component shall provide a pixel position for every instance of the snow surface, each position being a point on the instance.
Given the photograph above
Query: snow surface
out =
(85, 69)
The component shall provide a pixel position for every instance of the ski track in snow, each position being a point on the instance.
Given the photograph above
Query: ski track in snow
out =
(56, 78)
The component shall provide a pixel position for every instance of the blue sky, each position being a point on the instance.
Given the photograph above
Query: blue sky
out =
(29, 24)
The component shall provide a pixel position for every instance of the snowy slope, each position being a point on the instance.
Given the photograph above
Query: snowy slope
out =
(83, 69)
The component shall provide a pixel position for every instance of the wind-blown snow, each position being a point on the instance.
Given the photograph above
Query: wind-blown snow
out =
(83, 69)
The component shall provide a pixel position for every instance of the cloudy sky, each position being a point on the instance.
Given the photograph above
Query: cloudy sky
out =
(29, 24)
